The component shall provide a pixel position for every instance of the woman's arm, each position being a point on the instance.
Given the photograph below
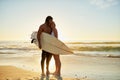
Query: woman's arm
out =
(53, 26)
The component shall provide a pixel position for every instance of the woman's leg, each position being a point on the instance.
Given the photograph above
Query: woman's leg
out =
(58, 65)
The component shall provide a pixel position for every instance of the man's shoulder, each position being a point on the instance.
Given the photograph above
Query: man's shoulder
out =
(42, 25)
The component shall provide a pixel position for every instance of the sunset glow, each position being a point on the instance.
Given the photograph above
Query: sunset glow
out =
(75, 20)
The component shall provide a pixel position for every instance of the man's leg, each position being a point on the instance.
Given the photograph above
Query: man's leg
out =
(49, 56)
(42, 62)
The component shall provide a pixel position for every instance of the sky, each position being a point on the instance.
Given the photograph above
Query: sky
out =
(76, 20)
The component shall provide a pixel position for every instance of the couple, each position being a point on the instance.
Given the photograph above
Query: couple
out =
(49, 27)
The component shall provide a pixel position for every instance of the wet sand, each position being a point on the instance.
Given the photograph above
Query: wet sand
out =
(14, 73)
(74, 67)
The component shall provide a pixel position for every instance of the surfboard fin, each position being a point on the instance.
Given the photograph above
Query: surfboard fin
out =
(32, 40)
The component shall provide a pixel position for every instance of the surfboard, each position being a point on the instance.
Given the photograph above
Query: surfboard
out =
(51, 44)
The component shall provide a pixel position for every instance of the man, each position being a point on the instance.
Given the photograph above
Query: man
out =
(48, 27)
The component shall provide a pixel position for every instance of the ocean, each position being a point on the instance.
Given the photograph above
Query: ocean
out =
(25, 48)
(95, 60)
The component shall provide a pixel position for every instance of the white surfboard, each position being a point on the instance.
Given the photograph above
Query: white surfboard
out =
(51, 44)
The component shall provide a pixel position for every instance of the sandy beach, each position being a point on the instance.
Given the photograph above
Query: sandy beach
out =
(14, 73)
(74, 67)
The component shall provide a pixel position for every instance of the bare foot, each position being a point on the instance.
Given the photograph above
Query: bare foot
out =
(58, 77)
(54, 73)
(47, 73)
(42, 76)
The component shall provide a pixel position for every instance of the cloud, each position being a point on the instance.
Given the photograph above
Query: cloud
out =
(104, 3)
